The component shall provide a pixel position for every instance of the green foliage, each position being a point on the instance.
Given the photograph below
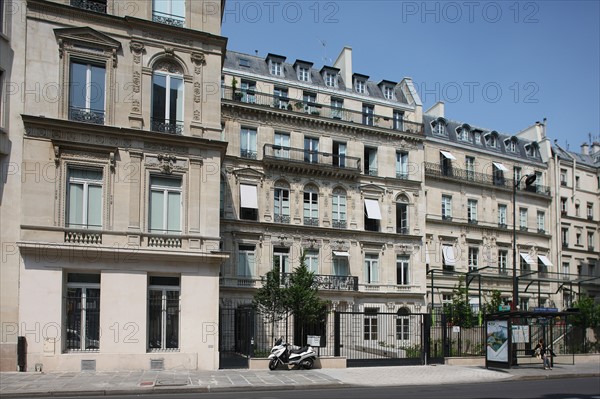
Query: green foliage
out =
(412, 351)
(302, 295)
(589, 313)
(269, 300)
(459, 312)
(494, 303)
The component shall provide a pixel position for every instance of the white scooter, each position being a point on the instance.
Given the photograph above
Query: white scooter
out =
(282, 354)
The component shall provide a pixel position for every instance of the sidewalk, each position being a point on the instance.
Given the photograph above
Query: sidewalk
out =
(33, 384)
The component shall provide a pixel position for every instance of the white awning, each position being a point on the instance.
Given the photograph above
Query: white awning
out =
(527, 258)
(341, 253)
(500, 166)
(372, 207)
(448, 253)
(447, 155)
(249, 196)
(427, 260)
(545, 260)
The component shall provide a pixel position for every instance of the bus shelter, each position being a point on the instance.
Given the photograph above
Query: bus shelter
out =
(512, 335)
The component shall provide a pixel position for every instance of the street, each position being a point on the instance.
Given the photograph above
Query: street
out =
(561, 388)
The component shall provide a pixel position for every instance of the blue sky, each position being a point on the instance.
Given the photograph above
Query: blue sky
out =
(500, 65)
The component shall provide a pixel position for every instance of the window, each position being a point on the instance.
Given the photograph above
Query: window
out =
(371, 268)
(338, 212)
(340, 265)
(388, 92)
(163, 313)
(502, 215)
(564, 233)
(477, 138)
(563, 177)
(499, 170)
(439, 127)
(222, 191)
(169, 12)
(311, 206)
(563, 206)
(524, 304)
(360, 86)
(402, 270)
(280, 98)
(370, 161)
(167, 99)
(446, 207)
(446, 163)
(312, 261)
(281, 260)
(511, 145)
(368, 115)
(403, 324)
(165, 205)
(310, 102)
(248, 90)
(503, 261)
(523, 218)
(311, 150)
(473, 259)
(590, 211)
(370, 325)
(578, 239)
(491, 140)
(541, 222)
(470, 167)
(463, 134)
(530, 150)
(282, 145)
(246, 261)
(577, 213)
(275, 68)
(526, 261)
(248, 202)
(330, 79)
(402, 165)
(372, 215)
(449, 258)
(472, 211)
(590, 240)
(281, 205)
(337, 106)
(303, 74)
(565, 270)
(82, 312)
(248, 143)
(84, 199)
(402, 216)
(398, 117)
(87, 92)
(244, 62)
(339, 154)
(518, 172)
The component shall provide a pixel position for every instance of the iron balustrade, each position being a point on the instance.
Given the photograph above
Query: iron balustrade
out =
(329, 282)
(288, 154)
(166, 126)
(95, 116)
(168, 19)
(338, 224)
(318, 109)
(311, 221)
(285, 219)
(90, 5)
(248, 154)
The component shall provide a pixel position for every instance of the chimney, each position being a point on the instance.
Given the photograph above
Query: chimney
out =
(585, 149)
(595, 147)
(344, 64)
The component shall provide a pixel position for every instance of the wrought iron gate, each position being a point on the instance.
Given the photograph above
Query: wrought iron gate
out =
(236, 336)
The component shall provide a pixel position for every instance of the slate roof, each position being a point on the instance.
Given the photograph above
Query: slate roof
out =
(592, 160)
(452, 137)
(259, 66)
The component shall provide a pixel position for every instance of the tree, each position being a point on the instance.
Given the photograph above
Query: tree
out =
(269, 300)
(493, 305)
(459, 312)
(589, 313)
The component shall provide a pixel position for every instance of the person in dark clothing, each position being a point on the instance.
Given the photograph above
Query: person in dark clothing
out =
(545, 352)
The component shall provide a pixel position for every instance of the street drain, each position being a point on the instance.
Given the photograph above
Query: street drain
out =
(171, 383)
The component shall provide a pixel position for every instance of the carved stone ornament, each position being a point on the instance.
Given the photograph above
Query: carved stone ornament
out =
(168, 66)
(166, 163)
(137, 48)
(199, 60)
(196, 115)
(137, 80)
(135, 106)
(197, 92)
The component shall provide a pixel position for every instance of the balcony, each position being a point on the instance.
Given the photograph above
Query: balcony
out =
(285, 219)
(338, 224)
(248, 154)
(95, 116)
(502, 226)
(402, 230)
(330, 282)
(321, 110)
(168, 19)
(90, 5)
(83, 237)
(166, 126)
(163, 241)
(311, 221)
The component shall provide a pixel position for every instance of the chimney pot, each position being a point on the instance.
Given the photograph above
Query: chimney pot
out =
(585, 149)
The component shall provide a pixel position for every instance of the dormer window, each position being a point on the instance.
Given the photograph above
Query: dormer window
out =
(360, 86)
(388, 92)
(477, 137)
(511, 144)
(439, 127)
(275, 64)
(244, 62)
(303, 74)
(463, 133)
(491, 140)
(530, 150)
(330, 79)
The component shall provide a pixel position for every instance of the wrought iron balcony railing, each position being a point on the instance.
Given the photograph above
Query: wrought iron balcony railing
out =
(289, 154)
(311, 221)
(338, 224)
(95, 116)
(322, 110)
(90, 5)
(282, 219)
(329, 282)
(166, 126)
(168, 19)
(248, 154)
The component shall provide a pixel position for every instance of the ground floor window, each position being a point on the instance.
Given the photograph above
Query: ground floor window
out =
(403, 324)
(163, 313)
(370, 324)
(82, 312)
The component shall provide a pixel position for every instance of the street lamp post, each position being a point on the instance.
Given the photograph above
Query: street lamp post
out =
(529, 180)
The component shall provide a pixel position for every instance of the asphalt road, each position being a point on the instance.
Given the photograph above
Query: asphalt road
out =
(560, 388)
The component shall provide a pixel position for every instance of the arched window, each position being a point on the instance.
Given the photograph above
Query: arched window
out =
(338, 212)
(402, 214)
(403, 324)
(439, 126)
(311, 205)
(167, 97)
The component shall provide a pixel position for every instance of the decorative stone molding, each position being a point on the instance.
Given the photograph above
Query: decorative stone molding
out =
(137, 48)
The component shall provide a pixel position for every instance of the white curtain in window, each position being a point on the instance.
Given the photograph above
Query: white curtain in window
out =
(448, 254)
(371, 269)
(245, 264)
(174, 211)
(157, 215)
(339, 207)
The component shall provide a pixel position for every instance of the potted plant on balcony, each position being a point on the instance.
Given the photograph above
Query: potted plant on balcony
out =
(235, 94)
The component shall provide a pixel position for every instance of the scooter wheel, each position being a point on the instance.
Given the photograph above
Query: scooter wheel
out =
(273, 364)
(308, 363)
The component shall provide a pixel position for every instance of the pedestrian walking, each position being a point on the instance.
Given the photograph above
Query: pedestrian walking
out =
(545, 353)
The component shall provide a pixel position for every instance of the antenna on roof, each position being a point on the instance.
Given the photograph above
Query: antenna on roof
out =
(326, 60)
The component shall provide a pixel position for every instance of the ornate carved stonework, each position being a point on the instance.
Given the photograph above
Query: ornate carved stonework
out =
(197, 92)
(74, 137)
(137, 80)
(165, 148)
(135, 106)
(162, 38)
(137, 48)
(196, 115)
(167, 163)
(168, 66)
(199, 60)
